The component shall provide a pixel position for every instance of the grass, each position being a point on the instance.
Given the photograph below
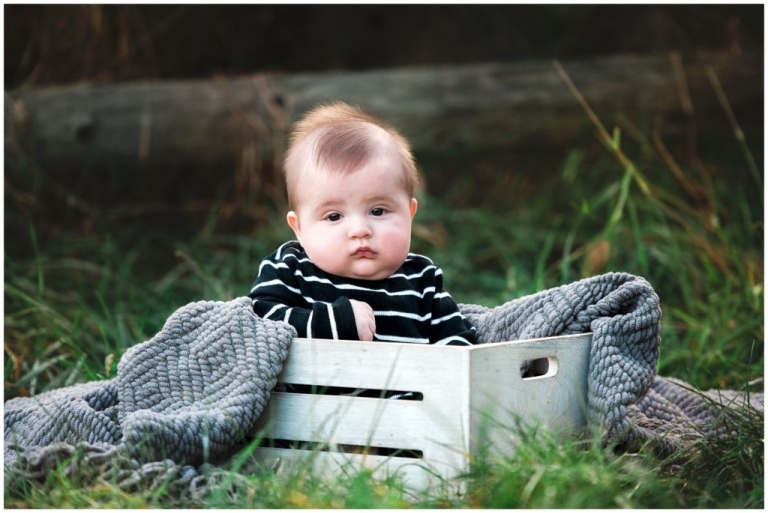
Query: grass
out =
(545, 472)
(80, 289)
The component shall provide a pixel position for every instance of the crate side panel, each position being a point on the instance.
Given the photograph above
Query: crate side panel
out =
(500, 397)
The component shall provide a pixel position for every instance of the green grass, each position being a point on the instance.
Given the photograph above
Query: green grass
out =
(545, 472)
(81, 288)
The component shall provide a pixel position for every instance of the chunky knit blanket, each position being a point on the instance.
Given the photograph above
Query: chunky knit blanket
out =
(627, 403)
(191, 393)
(185, 396)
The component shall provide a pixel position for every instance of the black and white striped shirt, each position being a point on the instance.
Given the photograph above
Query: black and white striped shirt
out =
(409, 306)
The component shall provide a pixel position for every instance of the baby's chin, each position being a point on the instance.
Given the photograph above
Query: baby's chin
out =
(366, 273)
(381, 275)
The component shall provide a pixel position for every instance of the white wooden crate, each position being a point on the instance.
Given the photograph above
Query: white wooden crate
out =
(472, 397)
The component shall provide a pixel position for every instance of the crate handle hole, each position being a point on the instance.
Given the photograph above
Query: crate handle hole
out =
(541, 368)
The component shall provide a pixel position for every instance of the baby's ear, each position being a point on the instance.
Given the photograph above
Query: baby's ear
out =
(414, 207)
(293, 222)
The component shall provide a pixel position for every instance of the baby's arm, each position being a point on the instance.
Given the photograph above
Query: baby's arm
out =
(277, 295)
(449, 326)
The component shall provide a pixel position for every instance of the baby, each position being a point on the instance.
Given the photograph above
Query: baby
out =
(350, 275)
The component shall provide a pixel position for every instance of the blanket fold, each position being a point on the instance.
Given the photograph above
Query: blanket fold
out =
(189, 392)
(201, 383)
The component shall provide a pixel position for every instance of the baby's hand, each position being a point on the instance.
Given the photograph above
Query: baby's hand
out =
(364, 319)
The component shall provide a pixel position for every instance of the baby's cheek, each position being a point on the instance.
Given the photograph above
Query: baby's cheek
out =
(396, 241)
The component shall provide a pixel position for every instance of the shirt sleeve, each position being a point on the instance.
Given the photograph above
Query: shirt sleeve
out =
(448, 325)
(277, 295)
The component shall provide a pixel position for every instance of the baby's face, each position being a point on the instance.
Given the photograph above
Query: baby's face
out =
(355, 225)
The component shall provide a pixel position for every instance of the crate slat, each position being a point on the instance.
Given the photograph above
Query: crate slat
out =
(371, 365)
(390, 423)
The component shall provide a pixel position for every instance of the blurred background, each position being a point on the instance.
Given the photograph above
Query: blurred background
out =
(59, 44)
(143, 149)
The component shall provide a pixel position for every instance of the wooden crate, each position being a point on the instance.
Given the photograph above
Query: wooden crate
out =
(472, 397)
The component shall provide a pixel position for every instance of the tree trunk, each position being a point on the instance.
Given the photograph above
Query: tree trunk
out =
(179, 129)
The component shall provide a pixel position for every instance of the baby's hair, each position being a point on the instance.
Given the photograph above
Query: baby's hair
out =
(342, 138)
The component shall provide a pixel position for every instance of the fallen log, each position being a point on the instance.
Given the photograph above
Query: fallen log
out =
(180, 128)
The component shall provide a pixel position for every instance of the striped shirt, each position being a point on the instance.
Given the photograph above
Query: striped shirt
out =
(409, 306)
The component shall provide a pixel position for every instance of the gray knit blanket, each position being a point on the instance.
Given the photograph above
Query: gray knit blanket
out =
(183, 400)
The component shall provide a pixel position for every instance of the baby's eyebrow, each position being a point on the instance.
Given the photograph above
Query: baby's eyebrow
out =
(329, 200)
(328, 203)
(336, 203)
(380, 198)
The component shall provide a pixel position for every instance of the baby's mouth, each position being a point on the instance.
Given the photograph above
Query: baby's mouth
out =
(364, 252)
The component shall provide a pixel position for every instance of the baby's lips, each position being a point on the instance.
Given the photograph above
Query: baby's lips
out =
(364, 252)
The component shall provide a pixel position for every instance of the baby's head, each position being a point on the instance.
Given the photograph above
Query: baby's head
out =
(341, 139)
(350, 181)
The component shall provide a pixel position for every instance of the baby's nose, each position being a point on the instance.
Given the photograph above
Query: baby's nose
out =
(359, 227)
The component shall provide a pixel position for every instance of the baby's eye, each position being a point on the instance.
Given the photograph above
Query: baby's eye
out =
(377, 212)
(333, 217)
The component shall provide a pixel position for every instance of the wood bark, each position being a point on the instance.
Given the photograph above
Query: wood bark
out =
(228, 123)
